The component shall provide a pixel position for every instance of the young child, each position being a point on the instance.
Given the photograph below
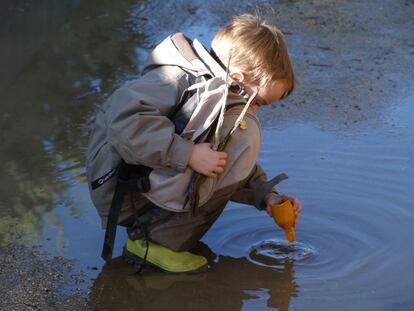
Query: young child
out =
(135, 126)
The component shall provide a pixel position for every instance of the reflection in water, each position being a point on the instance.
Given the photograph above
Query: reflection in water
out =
(231, 283)
(24, 27)
(43, 126)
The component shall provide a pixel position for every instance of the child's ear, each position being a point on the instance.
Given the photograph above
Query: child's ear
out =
(238, 76)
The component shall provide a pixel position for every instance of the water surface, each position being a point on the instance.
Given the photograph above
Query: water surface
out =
(350, 161)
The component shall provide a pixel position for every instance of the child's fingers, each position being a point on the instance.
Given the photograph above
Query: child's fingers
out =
(219, 169)
(222, 155)
(297, 206)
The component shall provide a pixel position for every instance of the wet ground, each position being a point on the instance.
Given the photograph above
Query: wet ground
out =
(345, 137)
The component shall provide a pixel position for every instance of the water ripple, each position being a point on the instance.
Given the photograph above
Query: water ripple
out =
(273, 253)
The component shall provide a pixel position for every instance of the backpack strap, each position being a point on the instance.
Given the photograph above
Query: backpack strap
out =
(194, 52)
(183, 45)
(181, 112)
(131, 178)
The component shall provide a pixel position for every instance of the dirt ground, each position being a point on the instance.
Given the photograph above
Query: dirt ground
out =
(30, 280)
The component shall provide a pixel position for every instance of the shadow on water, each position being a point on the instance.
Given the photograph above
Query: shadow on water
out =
(47, 110)
(231, 283)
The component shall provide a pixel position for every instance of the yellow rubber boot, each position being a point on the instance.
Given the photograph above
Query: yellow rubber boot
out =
(163, 257)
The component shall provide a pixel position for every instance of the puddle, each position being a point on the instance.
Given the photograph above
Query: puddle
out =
(349, 157)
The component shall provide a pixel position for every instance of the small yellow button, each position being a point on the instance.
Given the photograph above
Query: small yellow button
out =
(243, 125)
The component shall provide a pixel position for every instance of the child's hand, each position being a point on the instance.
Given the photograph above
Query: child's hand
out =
(273, 199)
(206, 161)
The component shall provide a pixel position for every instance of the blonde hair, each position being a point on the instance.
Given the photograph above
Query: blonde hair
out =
(258, 48)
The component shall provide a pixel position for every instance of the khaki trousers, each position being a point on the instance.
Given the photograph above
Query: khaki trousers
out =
(175, 230)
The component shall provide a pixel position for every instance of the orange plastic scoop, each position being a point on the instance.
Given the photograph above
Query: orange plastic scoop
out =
(284, 217)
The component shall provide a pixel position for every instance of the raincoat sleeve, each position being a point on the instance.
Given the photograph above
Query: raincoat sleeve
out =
(137, 124)
(245, 193)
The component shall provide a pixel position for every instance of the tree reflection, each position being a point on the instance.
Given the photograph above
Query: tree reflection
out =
(43, 127)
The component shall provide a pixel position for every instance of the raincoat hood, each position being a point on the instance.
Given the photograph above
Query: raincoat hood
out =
(194, 58)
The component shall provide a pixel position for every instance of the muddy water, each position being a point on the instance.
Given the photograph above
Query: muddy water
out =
(355, 237)
(350, 161)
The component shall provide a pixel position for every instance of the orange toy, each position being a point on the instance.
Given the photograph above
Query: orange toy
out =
(284, 217)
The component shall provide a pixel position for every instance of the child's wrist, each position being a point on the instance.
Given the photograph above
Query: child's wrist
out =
(273, 197)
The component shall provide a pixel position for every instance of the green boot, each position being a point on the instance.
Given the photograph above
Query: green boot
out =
(163, 258)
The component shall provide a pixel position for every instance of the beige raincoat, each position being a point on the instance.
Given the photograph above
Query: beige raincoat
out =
(133, 125)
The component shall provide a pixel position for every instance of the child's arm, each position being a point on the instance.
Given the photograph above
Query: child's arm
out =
(137, 124)
(141, 133)
(256, 177)
(254, 180)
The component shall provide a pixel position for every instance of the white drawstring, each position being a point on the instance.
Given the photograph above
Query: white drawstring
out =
(223, 107)
(243, 113)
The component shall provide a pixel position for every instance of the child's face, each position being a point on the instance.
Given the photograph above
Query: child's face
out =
(269, 94)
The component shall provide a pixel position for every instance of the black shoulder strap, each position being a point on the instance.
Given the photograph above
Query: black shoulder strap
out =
(131, 178)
